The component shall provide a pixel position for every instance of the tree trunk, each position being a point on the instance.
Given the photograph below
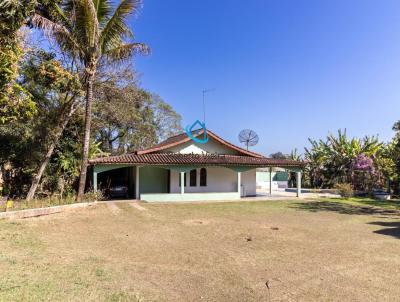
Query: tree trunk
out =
(86, 140)
(36, 179)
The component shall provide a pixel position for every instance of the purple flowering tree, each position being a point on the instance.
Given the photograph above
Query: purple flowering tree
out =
(363, 163)
(363, 173)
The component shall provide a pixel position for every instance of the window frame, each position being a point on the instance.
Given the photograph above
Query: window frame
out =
(193, 178)
(203, 177)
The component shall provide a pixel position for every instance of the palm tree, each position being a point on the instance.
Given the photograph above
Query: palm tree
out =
(95, 34)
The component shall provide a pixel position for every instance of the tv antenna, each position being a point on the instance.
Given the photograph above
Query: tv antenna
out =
(204, 102)
(248, 137)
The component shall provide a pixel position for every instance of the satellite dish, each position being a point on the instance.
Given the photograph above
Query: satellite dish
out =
(248, 137)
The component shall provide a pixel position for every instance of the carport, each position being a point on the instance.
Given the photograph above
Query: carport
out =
(150, 179)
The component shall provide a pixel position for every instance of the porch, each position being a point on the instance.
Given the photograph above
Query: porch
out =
(182, 183)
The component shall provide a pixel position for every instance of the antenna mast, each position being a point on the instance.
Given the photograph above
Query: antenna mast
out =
(204, 103)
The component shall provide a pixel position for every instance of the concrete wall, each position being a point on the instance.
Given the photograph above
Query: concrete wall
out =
(219, 179)
(279, 179)
(263, 176)
(275, 185)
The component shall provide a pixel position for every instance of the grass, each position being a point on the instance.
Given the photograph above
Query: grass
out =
(354, 205)
(386, 204)
(330, 250)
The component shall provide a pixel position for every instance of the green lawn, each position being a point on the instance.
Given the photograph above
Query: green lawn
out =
(354, 205)
(386, 204)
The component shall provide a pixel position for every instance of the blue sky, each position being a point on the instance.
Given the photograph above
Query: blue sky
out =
(287, 69)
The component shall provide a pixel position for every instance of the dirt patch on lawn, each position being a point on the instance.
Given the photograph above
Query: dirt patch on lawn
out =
(196, 222)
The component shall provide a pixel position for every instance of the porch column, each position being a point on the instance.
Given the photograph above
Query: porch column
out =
(298, 183)
(239, 175)
(182, 182)
(137, 187)
(94, 180)
(270, 181)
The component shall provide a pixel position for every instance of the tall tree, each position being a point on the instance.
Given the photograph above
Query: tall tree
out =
(126, 117)
(15, 101)
(27, 145)
(279, 155)
(166, 120)
(56, 89)
(94, 33)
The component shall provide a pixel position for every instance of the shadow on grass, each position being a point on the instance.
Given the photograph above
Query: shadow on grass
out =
(343, 208)
(392, 228)
(379, 203)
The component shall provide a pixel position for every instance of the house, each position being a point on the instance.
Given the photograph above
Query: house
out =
(184, 169)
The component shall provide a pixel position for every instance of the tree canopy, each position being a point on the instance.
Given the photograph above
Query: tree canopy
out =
(46, 119)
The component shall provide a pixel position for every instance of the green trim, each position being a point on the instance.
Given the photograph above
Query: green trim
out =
(240, 168)
(104, 168)
(181, 168)
(294, 169)
(171, 197)
(263, 176)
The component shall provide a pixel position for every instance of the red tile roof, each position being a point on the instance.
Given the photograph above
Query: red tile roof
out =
(182, 138)
(150, 157)
(160, 159)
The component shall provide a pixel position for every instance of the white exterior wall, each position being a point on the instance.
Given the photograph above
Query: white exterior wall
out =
(219, 179)
(249, 183)
(210, 147)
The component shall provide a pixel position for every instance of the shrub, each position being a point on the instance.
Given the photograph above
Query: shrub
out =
(93, 196)
(345, 190)
(9, 204)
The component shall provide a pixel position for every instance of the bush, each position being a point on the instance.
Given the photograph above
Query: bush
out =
(9, 204)
(93, 196)
(345, 190)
